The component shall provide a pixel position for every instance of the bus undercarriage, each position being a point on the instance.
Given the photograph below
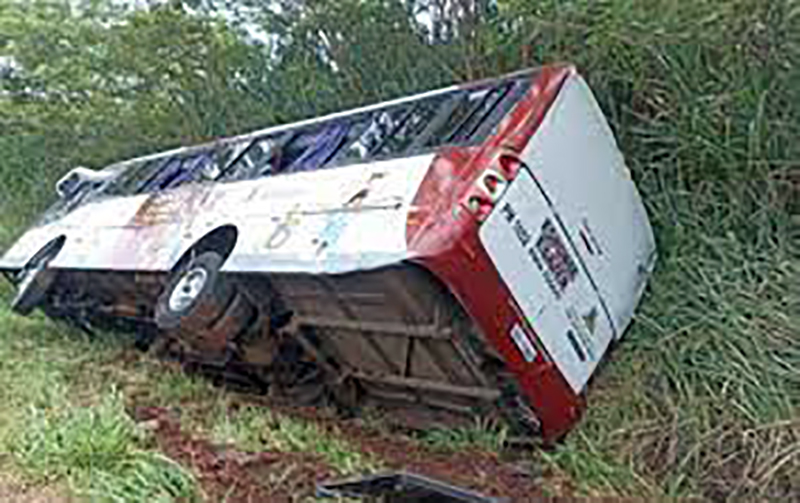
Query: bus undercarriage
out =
(393, 338)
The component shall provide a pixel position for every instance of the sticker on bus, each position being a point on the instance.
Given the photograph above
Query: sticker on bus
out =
(523, 343)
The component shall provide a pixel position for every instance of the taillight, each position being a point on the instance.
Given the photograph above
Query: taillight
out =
(491, 184)
(479, 204)
(509, 165)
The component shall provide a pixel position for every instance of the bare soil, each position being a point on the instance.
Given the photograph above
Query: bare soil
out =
(15, 492)
(228, 474)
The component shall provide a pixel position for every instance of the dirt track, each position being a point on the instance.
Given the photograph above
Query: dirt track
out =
(228, 474)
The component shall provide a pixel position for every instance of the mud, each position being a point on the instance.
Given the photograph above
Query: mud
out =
(227, 474)
(277, 476)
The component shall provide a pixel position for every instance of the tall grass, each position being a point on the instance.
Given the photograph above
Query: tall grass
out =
(703, 394)
(28, 172)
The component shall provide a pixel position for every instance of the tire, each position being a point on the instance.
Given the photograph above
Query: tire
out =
(35, 279)
(195, 295)
(203, 311)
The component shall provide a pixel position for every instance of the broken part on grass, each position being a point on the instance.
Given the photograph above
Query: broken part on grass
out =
(451, 253)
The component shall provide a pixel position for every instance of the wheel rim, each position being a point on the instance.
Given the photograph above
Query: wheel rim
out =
(188, 289)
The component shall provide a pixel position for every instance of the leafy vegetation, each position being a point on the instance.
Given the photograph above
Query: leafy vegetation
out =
(65, 422)
(56, 431)
(485, 435)
(702, 395)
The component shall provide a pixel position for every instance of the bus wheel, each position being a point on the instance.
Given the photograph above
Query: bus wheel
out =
(203, 311)
(35, 279)
(195, 295)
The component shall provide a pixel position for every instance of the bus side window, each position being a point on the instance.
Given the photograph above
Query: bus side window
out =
(430, 135)
(310, 150)
(174, 172)
(469, 109)
(374, 132)
(163, 176)
(206, 167)
(127, 181)
(139, 182)
(492, 118)
(297, 150)
(227, 154)
(412, 126)
(479, 106)
(259, 158)
(192, 169)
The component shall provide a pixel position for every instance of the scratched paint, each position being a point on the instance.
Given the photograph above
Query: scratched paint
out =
(340, 207)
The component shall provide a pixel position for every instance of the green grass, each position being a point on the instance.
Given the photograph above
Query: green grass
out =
(217, 415)
(64, 424)
(703, 393)
(173, 387)
(483, 435)
(257, 429)
(60, 425)
(99, 451)
(64, 419)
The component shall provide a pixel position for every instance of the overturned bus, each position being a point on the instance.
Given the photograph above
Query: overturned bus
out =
(473, 250)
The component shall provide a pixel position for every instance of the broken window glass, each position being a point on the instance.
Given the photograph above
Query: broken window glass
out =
(468, 110)
(163, 176)
(488, 123)
(135, 177)
(379, 128)
(259, 159)
(411, 127)
(311, 150)
(178, 171)
(191, 169)
(476, 108)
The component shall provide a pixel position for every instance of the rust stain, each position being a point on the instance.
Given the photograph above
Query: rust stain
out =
(151, 223)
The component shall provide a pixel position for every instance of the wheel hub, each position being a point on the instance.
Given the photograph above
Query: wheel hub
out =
(188, 289)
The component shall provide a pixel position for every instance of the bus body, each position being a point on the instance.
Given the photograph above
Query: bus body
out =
(472, 250)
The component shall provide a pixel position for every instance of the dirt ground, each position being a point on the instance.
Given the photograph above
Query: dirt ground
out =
(227, 474)
(15, 492)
